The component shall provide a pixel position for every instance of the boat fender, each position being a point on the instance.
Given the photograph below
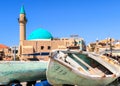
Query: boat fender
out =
(43, 83)
(16, 85)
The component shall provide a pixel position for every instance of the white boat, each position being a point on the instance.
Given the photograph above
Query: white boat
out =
(81, 68)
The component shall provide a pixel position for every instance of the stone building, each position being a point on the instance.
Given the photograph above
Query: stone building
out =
(40, 42)
(4, 51)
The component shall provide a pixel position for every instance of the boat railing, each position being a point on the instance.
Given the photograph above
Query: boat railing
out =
(76, 65)
(85, 66)
(108, 59)
(82, 64)
(107, 65)
(91, 69)
(66, 59)
(81, 61)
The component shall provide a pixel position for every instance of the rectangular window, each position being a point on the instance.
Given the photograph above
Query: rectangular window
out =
(49, 47)
(42, 47)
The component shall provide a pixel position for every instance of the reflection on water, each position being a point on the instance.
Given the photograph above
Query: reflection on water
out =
(115, 83)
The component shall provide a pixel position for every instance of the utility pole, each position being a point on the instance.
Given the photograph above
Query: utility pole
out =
(14, 51)
(110, 46)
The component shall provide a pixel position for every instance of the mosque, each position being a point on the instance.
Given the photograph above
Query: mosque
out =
(41, 42)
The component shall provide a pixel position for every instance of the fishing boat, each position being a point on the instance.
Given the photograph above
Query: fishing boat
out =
(81, 68)
(22, 71)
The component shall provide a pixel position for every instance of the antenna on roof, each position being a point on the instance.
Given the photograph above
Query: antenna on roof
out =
(74, 36)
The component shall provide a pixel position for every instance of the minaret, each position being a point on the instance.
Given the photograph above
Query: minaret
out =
(22, 22)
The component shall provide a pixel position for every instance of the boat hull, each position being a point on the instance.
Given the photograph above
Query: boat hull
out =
(58, 73)
(22, 71)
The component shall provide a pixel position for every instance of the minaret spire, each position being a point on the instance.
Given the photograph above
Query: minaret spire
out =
(22, 22)
(22, 10)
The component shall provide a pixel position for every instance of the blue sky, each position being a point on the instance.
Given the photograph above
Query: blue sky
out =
(90, 19)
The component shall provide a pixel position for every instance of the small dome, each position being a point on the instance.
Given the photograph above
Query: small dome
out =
(40, 34)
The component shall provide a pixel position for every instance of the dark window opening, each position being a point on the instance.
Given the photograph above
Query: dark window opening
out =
(44, 53)
(49, 47)
(42, 47)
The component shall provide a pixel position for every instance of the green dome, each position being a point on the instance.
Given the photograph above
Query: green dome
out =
(40, 34)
